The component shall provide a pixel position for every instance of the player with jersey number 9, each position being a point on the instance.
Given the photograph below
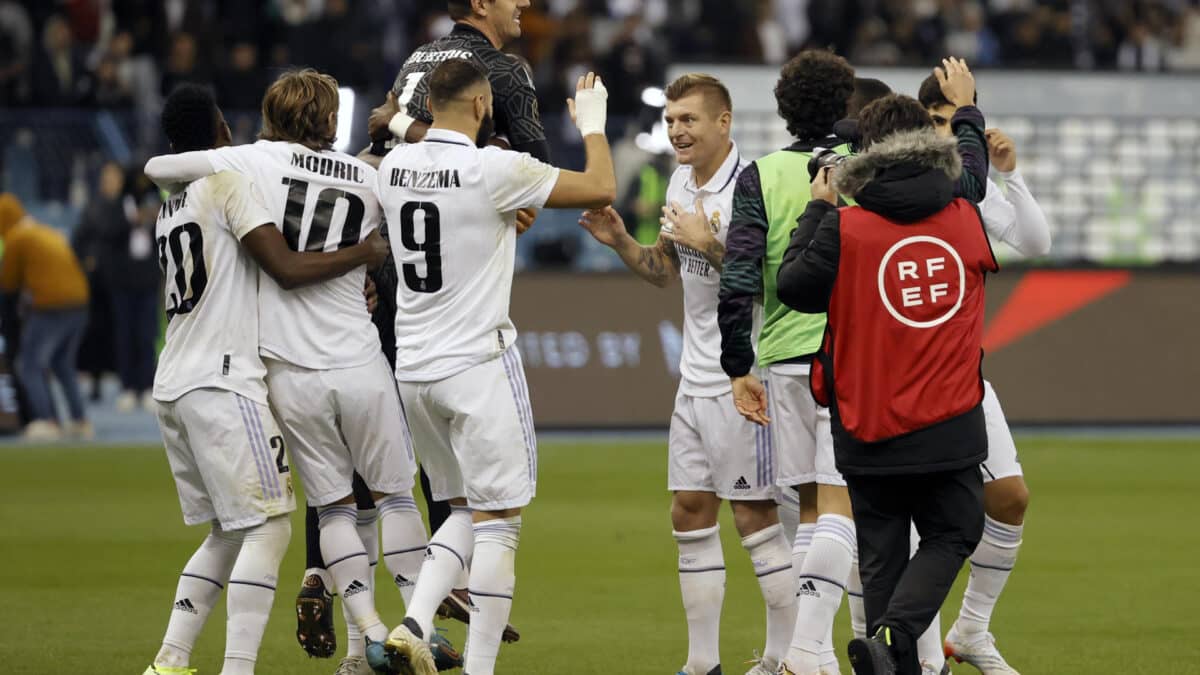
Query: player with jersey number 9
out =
(459, 375)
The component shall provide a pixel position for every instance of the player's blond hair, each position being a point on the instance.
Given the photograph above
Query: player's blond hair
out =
(299, 107)
(715, 93)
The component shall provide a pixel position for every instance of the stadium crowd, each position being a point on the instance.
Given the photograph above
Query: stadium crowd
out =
(117, 53)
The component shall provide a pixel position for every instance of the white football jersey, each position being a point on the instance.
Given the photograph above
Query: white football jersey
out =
(321, 201)
(700, 365)
(211, 289)
(451, 213)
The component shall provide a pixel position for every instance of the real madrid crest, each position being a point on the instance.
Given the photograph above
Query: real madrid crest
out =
(714, 223)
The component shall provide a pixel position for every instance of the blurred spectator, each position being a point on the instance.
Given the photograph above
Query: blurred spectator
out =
(182, 65)
(1141, 50)
(241, 84)
(40, 270)
(111, 91)
(970, 38)
(16, 52)
(59, 75)
(1186, 52)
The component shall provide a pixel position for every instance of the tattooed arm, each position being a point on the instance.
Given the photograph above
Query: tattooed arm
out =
(658, 264)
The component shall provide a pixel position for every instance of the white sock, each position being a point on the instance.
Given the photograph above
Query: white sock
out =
(800, 544)
(367, 526)
(347, 561)
(929, 643)
(822, 583)
(252, 592)
(702, 584)
(854, 597)
(449, 554)
(493, 578)
(404, 541)
(991, 564)
(200, 584)
(772, 560)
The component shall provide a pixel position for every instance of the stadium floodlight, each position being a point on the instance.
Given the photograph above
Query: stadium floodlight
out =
(345, 125)
(654, 97)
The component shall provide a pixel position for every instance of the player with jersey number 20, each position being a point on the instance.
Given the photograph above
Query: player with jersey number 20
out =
(452, 209)
(223, 444)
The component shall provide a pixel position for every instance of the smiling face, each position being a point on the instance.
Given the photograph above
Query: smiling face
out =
(504, 17)
(698, 129)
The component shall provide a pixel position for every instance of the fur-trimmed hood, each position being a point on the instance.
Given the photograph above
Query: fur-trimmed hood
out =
(905, 177)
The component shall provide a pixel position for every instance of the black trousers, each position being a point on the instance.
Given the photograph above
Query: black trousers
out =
(904, 594)
(438, 513)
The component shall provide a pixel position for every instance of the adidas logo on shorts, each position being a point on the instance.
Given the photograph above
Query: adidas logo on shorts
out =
(809, 588)
(741, 484)
(355, 588)
(185, 605)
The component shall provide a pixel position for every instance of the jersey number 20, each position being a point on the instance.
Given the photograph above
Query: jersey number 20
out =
(187, 289)
(430, 245)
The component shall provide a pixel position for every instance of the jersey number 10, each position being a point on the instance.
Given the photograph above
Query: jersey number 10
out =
(322, 217)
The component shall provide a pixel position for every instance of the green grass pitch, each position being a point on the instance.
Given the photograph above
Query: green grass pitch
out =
(1106, 582)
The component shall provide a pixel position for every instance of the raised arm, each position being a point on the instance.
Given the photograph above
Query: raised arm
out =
(1027, 232)
(958, 86)
(658, 264)
(596, 186)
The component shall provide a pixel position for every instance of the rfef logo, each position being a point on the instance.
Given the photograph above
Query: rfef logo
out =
(922, 281)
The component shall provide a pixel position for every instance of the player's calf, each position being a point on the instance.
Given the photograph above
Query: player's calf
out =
(493, 579)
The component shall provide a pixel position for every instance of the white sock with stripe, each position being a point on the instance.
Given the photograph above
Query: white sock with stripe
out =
(404, 541)
(367, 526)
(772, 560)
(789, 512)
(347, 561)
(252, 592)
(822, 583)
(493, 578)
(449, 554)
(702, 584)
(200, 585)
(991, 565)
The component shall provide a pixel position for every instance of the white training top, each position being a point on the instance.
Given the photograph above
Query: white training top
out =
(321, 201)
(451, 213)
(1014, 217)
(700, 365)
(211, 289)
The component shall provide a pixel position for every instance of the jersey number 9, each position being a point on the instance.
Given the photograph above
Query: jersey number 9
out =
(430, 245)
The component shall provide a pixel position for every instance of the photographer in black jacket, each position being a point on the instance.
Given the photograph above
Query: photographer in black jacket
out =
(901, 277)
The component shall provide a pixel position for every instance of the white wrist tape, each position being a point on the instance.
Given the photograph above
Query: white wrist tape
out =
(591, 109)
(399, 125)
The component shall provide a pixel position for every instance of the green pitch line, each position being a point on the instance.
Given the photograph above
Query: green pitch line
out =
(1105, 583)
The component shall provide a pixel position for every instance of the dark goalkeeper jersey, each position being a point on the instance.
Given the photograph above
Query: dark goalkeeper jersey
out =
(515, 100)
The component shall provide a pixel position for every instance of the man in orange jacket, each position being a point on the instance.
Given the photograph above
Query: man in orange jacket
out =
(40, 269)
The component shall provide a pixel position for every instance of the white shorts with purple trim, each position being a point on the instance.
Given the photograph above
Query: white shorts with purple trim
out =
(474, 434)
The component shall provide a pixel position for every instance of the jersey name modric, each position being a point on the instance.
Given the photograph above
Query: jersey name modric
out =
(326, 166)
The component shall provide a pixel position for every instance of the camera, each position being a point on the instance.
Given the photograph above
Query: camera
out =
(821, 158)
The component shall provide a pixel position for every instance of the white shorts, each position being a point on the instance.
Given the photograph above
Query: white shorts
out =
(712, 448)
(228, 459)
(340, 421)
(801, 429)
(475, 434)
(1002, 459)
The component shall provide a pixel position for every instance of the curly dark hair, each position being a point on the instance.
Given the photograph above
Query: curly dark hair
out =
(812, 92)
(189, 118)
(889, 115)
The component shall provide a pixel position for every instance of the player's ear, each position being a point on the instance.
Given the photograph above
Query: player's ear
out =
(725, 120)
(480, 108)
